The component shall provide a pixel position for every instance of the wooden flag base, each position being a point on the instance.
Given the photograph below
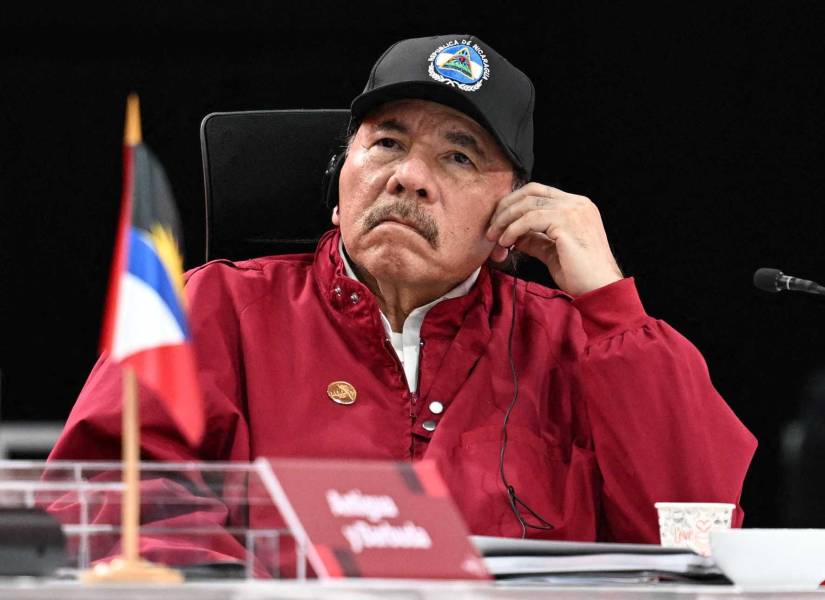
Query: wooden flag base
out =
(120, 570)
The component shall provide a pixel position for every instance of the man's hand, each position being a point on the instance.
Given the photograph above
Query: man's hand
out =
(564, 231)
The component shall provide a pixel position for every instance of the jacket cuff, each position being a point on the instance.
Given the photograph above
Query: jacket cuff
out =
(610, 310)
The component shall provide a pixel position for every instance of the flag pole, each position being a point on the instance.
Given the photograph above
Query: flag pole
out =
(130, 509)
(128, 567)
(130, 506)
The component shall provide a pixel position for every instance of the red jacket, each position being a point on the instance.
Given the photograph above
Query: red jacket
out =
(615, 409)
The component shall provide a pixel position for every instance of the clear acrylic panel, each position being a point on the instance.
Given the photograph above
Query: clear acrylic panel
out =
(208, 519)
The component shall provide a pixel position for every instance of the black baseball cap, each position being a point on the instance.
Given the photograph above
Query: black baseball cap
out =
(463, 72)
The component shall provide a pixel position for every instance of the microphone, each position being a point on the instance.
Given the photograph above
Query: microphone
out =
(773, 280)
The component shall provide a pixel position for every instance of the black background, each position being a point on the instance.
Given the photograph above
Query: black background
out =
(695, 128)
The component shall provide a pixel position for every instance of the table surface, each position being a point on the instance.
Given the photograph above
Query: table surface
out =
(47, 589)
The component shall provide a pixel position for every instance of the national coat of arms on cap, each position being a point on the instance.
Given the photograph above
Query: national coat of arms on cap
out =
(462, 64)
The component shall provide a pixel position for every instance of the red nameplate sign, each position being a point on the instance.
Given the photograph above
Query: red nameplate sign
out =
(375, 519)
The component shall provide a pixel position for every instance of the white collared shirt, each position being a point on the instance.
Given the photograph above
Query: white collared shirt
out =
(407, 343)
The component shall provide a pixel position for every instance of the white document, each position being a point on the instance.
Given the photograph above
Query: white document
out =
(511, 557)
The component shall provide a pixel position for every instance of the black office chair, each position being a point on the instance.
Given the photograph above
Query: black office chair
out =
(263, 177)
(263, 173)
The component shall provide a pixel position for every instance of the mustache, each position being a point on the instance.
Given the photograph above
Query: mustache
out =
(404, 210)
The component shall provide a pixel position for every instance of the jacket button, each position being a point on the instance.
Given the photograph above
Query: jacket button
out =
(429, 425)
(337, 290)
(436, 407)
(354, 297)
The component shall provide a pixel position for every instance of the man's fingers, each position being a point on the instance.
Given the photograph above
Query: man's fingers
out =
(531, 189)
(499, 254)
(516, 210)
(533, 196)
(564, 231)
(537, 245)
(540, 221)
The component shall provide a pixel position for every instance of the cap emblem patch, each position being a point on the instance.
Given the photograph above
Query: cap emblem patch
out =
(461, 64)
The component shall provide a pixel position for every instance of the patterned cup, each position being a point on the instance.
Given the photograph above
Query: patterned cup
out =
(688, 524)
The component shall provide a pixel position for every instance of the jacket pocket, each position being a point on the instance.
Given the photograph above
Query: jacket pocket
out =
(562, 492)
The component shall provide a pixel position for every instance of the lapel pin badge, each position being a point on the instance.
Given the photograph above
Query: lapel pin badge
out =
(341, 392)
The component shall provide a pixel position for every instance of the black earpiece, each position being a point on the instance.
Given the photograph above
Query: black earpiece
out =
(329, 184)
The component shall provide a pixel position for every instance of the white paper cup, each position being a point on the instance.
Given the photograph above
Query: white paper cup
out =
(688, 524)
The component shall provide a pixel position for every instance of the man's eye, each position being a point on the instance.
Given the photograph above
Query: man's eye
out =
(387, 143)
(462, 159)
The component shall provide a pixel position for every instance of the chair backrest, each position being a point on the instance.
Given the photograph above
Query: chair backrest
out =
(263, 176)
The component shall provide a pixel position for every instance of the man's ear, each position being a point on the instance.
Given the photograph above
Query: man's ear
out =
(336, 218)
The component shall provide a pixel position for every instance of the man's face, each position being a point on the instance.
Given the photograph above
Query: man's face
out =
(417, 191)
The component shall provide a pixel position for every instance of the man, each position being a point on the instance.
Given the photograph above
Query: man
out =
(558, 414)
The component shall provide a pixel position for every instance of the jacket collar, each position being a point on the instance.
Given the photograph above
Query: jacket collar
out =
(456, 330)
(330, 274)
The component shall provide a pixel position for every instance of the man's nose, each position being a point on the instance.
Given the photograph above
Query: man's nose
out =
(411, 176)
